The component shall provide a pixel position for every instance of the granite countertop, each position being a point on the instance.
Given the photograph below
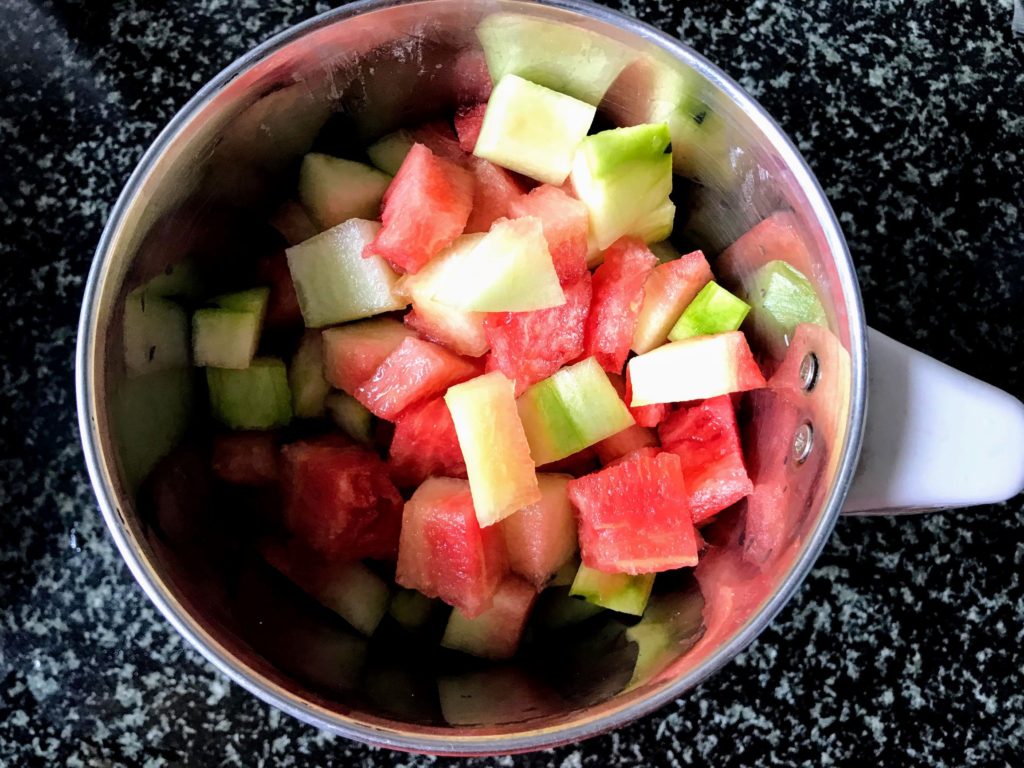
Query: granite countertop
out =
(903, 645)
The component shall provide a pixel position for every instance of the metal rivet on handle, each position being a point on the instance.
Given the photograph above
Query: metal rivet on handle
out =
(809, 371)
(803, 442)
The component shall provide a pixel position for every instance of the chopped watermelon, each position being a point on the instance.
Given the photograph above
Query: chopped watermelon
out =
(245, 458)
(541, 537)
(778, 237)
(415, 371)
(633, 516)
(694, 369)
(468, 121)
(443, 551)
(283, 305)
(494, 189)
(645, 415)
(459, 330)
(425, 444)
(624, 443)
(618, 296)
(495, 633)
(339, 499)
(425, 208)
(668, 291)
(565, 228)
(707, 441)
(354, 352)
(649, 451)
(578, 464)
(530, 346)
(439, 138)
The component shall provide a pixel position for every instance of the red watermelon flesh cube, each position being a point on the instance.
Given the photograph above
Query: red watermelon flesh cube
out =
(425, 444)
(339, 499)
(645, 415)
(354, 352)
(439, 138)
(777, 237)
(426, 207)
(648, 451)
(633, 516)
(618, 296)
(245, 458)
(471, 76)
(494, 189)
(540, 538)
(530, 346)
(565, 221)
(283, 303)
(707, 441)
(468, 121)
(415, 371)
(443, 550)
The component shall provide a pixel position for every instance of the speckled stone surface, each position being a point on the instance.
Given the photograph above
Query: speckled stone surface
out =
(903, 645)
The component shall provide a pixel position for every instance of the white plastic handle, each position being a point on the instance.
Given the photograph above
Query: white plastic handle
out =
(935, 437)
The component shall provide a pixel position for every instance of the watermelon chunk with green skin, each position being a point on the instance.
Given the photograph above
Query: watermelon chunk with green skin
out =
(495, 633)
(713, 310)
(245, 458)
(350, 416)
(501, 472)
(618, 294)
(425, 444)
(647, 451)
(778, 237)
(256, 397)
(468, 121)
(388, 153)
(565, 223)
(354, 352)
(633, 516)
(415, 371)
(541, 538)
(348, 587)
(530, 346)
(694, 369)
(335, 190)
(426, 207)
(306, 377)
(339, 499)
(707, 441)
(444, 552)
(571, 410)
(283, 304)
(461, 332)
(494, 190)
(620, 592)
(509, 269)
(668, 291)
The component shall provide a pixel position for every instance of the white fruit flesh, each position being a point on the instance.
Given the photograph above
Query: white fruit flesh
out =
(533, 130)
(692, 369)
(334, 190)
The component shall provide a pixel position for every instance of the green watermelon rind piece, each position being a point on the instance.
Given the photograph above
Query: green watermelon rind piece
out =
(388, 153)
(559, 56)
(487, 424)
(257, 397)
(224, 338)
(781, 298)
(533, 130)
(624, 176)
(571, 410)
(306, 377)
(411, 609)
(334, 190)
(156, 333)
(508, 269)
(350, 416)
(713, 310)
(333, 281)
(619, 592)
